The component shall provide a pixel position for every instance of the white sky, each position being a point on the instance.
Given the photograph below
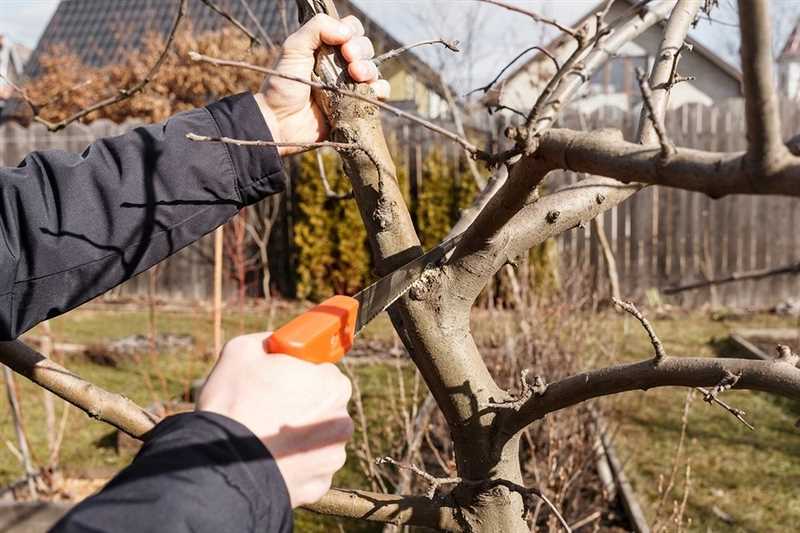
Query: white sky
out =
(490, 36)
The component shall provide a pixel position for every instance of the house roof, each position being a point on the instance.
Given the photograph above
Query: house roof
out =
(791, 50)
(697, 48)
(12, 58)
(101, 32)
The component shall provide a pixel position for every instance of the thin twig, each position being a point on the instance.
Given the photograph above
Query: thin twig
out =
(667, 148)
(329, 192)
(793, 268)
(468, 146)
(435, 482)
(535, 16)
(710, 397)
(122, 94)
(631, 308)
(486, 88)
(257, 23)
(391, 54)
(230, 18)
(242, 142)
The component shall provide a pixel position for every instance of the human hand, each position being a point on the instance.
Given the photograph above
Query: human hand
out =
(288, 107)
(297, 409)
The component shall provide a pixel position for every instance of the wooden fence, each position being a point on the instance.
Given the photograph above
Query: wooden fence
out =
(661, 237)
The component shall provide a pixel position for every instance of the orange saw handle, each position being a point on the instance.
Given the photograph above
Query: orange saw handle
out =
(323, 334)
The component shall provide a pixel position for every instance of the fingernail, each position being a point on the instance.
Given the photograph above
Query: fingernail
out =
(343, 30)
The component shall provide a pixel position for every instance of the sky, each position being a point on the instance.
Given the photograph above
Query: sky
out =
(490, 36)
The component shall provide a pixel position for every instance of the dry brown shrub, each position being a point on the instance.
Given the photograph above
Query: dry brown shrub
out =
(66, 86)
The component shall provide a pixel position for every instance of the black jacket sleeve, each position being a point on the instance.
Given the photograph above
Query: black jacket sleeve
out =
(74, 226)
(197, 472)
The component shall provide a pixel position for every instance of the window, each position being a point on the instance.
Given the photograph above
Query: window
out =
(619, 75)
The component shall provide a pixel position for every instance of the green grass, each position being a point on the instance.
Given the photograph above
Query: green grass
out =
(89, 446)
(750, 475)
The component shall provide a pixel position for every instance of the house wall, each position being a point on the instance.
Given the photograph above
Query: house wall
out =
(713, 84)
(407, 87)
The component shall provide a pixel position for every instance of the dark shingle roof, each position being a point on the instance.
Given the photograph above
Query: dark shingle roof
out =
(101, 32)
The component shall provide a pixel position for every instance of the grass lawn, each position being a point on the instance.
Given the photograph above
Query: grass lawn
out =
(751, 476)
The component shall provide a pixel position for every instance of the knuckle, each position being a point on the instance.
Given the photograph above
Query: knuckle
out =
(348, 427)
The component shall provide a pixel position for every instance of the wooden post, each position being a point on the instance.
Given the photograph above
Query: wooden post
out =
(48, 400)
(218, 258)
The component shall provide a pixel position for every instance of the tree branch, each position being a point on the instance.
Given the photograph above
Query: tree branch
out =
(776, 377)
(667, 148)
(389, 508)
(793, 268)
(230, 18)
(363, 95)
(658, 347)
(716, 174)
(391, 54)
(96, 402)
(486, 88)
(535, 16)
(515, 219)
(122, 94)
(243, 142)
(261, 31)
(765, 146)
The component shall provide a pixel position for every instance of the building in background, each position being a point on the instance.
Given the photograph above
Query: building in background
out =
(616, 84)
(789, 65)
(12, 65)
(102, 32)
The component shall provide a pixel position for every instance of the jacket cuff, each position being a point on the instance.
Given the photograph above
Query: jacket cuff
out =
(238, 452)
(259, 170)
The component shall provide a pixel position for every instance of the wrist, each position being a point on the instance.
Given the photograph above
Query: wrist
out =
(271, 120)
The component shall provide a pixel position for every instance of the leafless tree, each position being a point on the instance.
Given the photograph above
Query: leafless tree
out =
(486, 423)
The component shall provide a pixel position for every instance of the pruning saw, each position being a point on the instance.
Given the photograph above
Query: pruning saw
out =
(325, 333)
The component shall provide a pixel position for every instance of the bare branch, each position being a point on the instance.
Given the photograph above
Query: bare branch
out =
(486, 88)
(762, 273)
(230, 18)
(433, 481)
(458, 120)
(243, 142)
(535, 16)
(96, 402)
(329, 192)
(765, 146)
(122, 94)
(469, 147)
(391, 54)
(712, 396)
(716, 174)
(514, 219)
(776, 377)
(667, 148)
(254, 19)
(389, 508)
(630, 307)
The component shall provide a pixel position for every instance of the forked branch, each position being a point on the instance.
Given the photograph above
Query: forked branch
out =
(765, 144)
(776, 377)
